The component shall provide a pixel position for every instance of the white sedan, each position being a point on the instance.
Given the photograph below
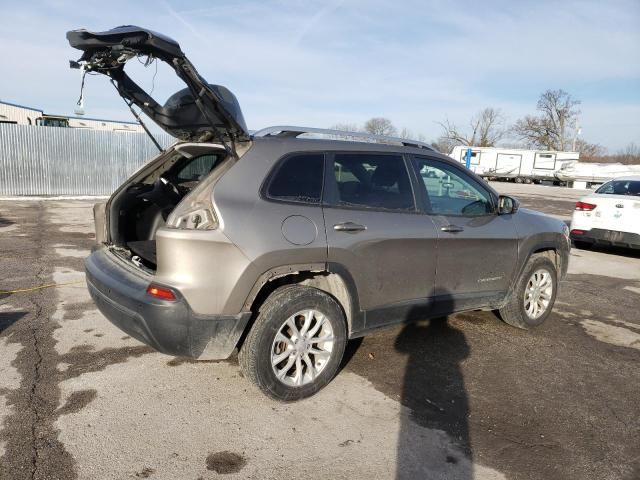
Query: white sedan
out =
(609, 216)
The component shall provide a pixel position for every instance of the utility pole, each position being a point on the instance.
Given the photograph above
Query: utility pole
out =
(575, 137)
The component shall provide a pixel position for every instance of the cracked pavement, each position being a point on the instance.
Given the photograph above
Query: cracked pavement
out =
(460, 398)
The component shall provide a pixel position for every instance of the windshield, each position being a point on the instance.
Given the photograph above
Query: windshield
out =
(621, 187)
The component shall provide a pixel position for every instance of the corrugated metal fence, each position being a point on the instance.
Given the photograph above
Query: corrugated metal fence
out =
(70, 161)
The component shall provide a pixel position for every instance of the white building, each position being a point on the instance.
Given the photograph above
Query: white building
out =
(515, 164)
(22, 115)
(11, 113)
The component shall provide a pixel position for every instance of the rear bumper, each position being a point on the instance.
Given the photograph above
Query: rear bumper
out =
(608, 237)
(171, 327)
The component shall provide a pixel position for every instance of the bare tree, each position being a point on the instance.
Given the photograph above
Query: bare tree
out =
(346, 127)
(630, 155)
(410, 135)
(406, 133)
(486, 129)
(380, 126)
(627, 156)
(589, 151)
(442, 146)
(552, 128)
(491, 127)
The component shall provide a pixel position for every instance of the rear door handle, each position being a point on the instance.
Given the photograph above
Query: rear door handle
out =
(452, 229)
(349, 227)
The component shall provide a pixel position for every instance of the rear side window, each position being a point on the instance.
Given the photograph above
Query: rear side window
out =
(373, 181)
(298, 178)
(195, 169)
(621, 187)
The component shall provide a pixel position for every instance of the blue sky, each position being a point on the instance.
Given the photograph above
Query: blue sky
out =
(344, 61)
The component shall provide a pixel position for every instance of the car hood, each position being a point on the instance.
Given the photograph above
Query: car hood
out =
(200, 112)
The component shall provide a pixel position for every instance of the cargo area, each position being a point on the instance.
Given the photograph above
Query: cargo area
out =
(143, 204)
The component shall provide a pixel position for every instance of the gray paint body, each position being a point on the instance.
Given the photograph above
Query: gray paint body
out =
(401, 268)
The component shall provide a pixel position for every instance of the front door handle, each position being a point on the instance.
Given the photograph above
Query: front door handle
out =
(349, 227)
(451, 229)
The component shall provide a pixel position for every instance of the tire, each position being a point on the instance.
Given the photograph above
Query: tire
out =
(294, 305)
(519, 312)
(518, 180)
(528, 181)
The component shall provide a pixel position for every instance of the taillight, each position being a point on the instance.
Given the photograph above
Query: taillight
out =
(585, 207)
(161, 292)
(578, 232)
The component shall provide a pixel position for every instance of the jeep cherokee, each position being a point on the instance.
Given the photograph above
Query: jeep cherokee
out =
(286, 247)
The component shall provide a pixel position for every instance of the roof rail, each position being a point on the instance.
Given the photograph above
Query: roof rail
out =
(293, 132)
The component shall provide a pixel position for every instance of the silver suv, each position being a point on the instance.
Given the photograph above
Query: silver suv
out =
(286, 247)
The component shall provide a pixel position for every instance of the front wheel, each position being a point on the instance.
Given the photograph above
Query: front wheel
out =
(532, 300)
(295, 346)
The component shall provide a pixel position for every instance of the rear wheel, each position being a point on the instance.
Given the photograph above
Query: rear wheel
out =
(295, 346)
(533, 298)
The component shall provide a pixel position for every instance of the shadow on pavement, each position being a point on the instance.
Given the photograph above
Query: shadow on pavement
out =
(619, 251)
(349, 351)
(433, 389)
(9, 318)
(5, 222)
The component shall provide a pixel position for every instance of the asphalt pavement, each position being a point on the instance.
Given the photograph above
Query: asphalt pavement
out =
(465, 397)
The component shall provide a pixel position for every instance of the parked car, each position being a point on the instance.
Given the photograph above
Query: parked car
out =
(609, 216)
(285, 247)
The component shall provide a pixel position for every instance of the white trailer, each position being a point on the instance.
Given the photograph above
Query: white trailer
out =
(22, 115)
(586, 175)
(515, 164)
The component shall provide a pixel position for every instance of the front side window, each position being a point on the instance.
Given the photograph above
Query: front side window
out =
(450, 192)
(372, 181)
(298, 179)
(621, 187)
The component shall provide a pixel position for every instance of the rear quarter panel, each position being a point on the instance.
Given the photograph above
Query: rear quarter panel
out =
(255, 225)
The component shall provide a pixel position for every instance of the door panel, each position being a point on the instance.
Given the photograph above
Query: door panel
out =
(477, 249)
(393, 260)
(478, 260)
(389, 248)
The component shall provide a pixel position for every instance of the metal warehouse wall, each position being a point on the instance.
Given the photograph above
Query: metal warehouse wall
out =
(69, 161)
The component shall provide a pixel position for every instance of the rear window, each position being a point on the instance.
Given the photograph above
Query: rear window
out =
(621, 187)
(298, 179)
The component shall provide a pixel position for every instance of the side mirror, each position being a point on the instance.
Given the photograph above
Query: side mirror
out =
(507, 205)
